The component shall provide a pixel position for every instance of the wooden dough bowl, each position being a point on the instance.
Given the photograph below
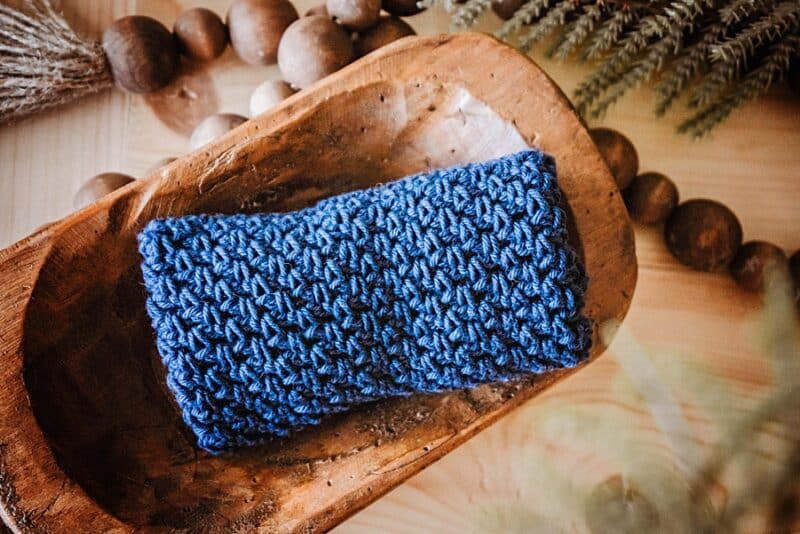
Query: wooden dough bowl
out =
(90, 440)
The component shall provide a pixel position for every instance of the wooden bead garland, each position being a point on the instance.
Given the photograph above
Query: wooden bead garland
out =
(650, 198)
(256, 27)
(213, 127)
(388, 29)
(402, 8)
(201, 34)
(142, 53)
(99, 186)
(354, 15)
(753, 261)
(619, 153)
(312, 48)
(144, 56)
(268, 95)
(702, 234)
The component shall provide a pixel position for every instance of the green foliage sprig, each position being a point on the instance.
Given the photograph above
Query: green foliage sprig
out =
(717, 53)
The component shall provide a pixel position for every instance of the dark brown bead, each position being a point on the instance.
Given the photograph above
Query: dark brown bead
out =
(619, 153)
(312, 48)
(355, 15)
(505, 9)
(703, 234)
(387, 30)
(256, 27)
(142, 53)
(99, 186)
(650, 198)
(794, 272)
(201, 34)
(402, 8)
(753, 261)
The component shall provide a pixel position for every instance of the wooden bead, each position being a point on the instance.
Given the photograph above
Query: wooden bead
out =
(402, 8)
(703, 234)
(753, 261)
(99, 186)
(650, 198)
(794, 272)
(355, 15)
(268, 95)
(142, 53)
(312, 48)
(505, 9)
(212, 127)
(201, 34)
(319, 9)
(619, 153)
(388, 29)
(256, 26)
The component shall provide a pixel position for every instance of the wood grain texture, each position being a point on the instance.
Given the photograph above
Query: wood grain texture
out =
(88, 424)
(537, 467)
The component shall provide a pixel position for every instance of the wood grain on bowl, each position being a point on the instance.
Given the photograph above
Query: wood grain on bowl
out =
(89, 438)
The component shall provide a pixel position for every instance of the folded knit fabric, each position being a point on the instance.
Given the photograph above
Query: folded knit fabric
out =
(444, 280)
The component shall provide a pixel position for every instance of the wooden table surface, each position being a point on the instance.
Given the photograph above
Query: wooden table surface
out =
(620, 442)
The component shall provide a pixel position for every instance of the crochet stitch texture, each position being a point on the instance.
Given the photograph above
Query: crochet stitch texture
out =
(444, 280)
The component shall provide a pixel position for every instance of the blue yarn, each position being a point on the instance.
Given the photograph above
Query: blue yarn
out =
(444, 280)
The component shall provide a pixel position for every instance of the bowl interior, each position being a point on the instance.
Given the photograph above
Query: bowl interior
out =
(94, 377)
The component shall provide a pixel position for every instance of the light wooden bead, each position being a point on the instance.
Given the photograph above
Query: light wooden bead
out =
(268, 95)
(99, 186)
(703, 234)
(212, 127)
(387, 30)
(619, 153)
(256, 26)
(752, 263)
(355, 15)
(142, 53)
(402, 8)
(650, 198)
(201, 34)
(312, 48)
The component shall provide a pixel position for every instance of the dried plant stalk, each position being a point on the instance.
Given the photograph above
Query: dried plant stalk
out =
(43, 62)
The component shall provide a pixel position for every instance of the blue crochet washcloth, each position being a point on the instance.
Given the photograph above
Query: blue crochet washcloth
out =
(444, 280)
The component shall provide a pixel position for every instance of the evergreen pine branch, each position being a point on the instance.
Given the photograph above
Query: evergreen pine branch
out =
(466, 14)
(785, 18)
(555, 17)
(773, 66)
(525, 15)
(577, 33)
